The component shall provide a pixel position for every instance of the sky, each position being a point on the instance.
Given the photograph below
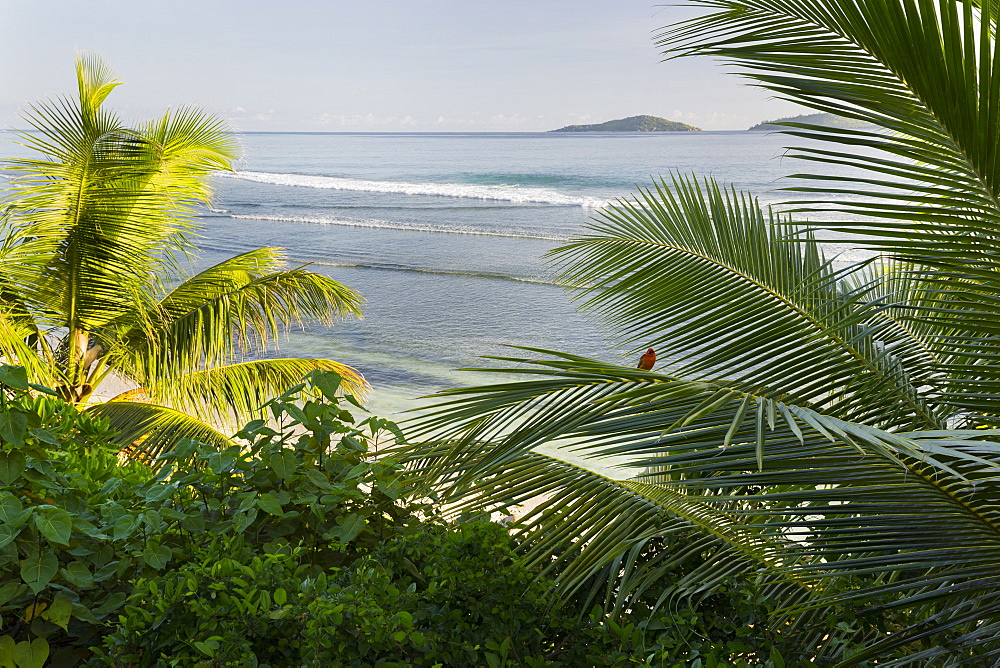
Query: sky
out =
(375, 65)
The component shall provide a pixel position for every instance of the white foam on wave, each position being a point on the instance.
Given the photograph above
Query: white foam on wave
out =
(504, 193)
(392, 225)
(439, 272)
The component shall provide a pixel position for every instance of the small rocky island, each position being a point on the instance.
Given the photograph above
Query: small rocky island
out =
(633, 124)
(826, 120)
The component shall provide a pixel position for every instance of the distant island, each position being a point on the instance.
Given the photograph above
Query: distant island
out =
(633, 124)
(827, 120)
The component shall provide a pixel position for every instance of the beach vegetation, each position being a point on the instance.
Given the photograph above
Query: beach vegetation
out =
(86, 538)
(823, 427)
(306, 547)
(99, 226)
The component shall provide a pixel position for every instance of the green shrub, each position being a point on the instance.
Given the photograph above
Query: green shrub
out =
(66, 555)
(466, 599)
(298, 548)
(454, 596)
(228, 605)
(77, 528)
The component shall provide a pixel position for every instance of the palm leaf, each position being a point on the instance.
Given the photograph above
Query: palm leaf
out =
(924, 181)
(836, 498)
(597, 537)
(236, 393)
(711, 280)
(145, 431)
(224, 312)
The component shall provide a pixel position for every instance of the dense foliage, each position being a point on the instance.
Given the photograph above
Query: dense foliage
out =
(455, 597)
(299, 548)
(79, 529)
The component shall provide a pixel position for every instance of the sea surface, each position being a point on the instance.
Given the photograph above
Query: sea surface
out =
(445, 235)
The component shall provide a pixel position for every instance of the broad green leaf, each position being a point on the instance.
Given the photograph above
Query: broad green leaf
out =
(78, 574)
(124, 526)
(14, 376)
(159, 492)
(37, 569)
(317, 478)
(357, 470)
(7, 534)
(242, 520)
(205, 648)
(13, 463)
(110, 604)
(269, 504)
(10, 590)
(7, 645)
(31, 654)
(84, 614)
(280, 596)
(283, 464)
(55, 524)
(326, 382)
(12, 426)
(85, 527)
(45, 436)
(11, 510)
(153, 520)
(60, 611)
(350, 527)
(194, 523)
(157, 556)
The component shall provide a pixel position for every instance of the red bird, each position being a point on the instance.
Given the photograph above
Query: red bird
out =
(647, 360)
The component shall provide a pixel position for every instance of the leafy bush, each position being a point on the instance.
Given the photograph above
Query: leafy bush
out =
(78, 528)
(72, 527)
(468, 599)
(299, 547)
(456, 596)
(227, 605)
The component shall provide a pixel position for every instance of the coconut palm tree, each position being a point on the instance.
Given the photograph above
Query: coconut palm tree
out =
(96, 228)
(827, 428)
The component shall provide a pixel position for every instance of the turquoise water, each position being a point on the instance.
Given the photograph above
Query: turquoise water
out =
(444, 234)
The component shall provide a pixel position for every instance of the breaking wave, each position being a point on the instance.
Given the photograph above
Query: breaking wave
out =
(503, 193)
(393, 225)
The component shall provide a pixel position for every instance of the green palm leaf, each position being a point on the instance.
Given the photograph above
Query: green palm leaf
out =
(236, 393)
(818, 495)
(145, 431)
(598, 536)
(712, 281)
(925, 184)
(239, 306)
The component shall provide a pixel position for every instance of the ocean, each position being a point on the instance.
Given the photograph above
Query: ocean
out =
(445, 235)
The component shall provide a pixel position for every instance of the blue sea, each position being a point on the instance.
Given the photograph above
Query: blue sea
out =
(445, 235)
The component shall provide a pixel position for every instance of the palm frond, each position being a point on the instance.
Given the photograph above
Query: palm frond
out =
(235, 393)
(631, 545)
(145, 431)
(712, 281)
(923, 183)
(910, 514)
(237, 307)
(921, 70)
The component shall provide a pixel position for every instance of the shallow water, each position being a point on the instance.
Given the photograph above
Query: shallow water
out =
(445, 234)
